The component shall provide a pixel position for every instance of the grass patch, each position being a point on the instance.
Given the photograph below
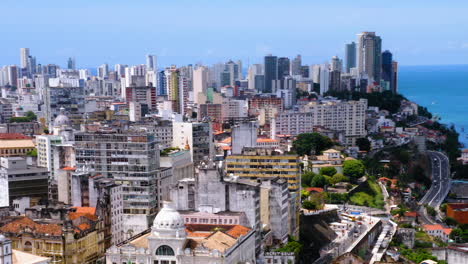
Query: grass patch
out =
(370, 195)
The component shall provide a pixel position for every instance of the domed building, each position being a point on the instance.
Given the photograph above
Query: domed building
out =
(63, 126)
(171, 241)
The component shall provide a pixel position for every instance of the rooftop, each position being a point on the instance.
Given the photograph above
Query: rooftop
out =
(10, 136)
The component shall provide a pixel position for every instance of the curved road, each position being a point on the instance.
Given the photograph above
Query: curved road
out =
(440, 183)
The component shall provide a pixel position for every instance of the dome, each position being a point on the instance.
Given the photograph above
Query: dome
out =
(62, 119)
(2, 238)
(168, 218)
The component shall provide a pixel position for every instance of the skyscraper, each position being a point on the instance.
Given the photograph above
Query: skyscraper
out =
(296, 64)
(200, 82)
(254, 70)
(324, 78)
(387, 70)
(151, 62)
(395, 77)
(283, 67)
(271, 72)
(350, 54)
(71, 63)
(370, 55)
(24, 57)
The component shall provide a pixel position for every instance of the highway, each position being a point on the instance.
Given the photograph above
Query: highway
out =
(441, 183)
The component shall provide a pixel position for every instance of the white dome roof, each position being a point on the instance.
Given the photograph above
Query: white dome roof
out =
(62, 119)
(2, 238)
(168, 218)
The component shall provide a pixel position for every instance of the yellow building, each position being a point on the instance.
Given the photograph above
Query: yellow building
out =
(14, 144)
(75, 241)
(256, 163)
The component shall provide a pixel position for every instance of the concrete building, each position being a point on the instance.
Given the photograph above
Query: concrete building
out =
(275, 209)
(180, 162)
(347, 116)
(23, 179)
(170, 240)
(244, 135)
(212, 193)
(131, 158)
(196, 137)
(261, 164)
(200, 82)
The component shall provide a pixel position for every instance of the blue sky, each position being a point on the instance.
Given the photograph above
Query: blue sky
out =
(181, 32)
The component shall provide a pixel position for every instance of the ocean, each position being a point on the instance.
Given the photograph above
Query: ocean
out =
(442, 89)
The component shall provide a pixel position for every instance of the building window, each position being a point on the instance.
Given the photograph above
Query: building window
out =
(165, 251)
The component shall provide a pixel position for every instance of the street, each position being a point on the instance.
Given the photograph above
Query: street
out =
(440, 184)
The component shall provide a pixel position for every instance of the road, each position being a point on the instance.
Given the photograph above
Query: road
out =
(440, 184)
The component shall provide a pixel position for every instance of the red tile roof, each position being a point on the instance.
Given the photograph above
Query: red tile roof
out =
(12, 136)
(315, 189)
(88, 212)
(21, 224)
(411, 214)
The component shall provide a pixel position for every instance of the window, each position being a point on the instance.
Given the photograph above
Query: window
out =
(165, 251)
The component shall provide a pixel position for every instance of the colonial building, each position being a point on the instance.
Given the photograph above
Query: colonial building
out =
(171, 241)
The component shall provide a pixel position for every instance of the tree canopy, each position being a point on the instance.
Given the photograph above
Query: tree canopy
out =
(311, 143)
(363, 144)
(353, 169)
(329, 171)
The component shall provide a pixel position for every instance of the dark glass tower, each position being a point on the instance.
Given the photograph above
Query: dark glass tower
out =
(271, 72)
(283, 67)
(387, 69)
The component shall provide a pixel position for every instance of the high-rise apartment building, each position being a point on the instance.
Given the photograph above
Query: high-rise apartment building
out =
(200, 82)
(270, 72)
(131, 158)
(370, 56)
(348, 117)
(296, 64)
(24, 57)
(254, 70)
(151, 62)
(350, 55)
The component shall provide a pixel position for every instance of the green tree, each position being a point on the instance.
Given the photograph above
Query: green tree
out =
(318, 181)
(311, 143)
(450, 221)
(354, 169)
(306, 178)
(363, 144)
(305, 194)
(329, 171)
(31, 115)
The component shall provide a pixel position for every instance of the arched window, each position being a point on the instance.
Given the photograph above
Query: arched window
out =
(164, 251)
(27, 246)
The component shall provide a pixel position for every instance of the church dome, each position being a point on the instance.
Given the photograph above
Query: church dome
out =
(168, 218)
(62, 119)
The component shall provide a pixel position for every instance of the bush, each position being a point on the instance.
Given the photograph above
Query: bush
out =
(309, 205)
(339, 178)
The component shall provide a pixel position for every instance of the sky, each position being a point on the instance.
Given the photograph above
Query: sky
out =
(181, 32)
